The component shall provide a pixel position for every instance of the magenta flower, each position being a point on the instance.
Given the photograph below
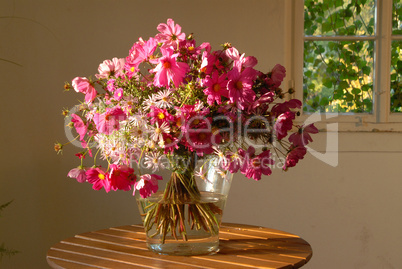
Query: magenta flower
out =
(207, 63)
(286, 106)
(79, 173)
(200, 140)
(302, 137)
(170, 34)
(283, 124)
(169, 143)
(216, 87)
(276, 76)
(147, 185)
(121, 177)
(79, 126)
(259, 165)
(168, 70)
(240, 61)
(263, 102)
(159, 115)
(109, 68)
(83, 85)
(295, 154)
(98, 178)
(235, 161)
(108, 121)
(240, 87)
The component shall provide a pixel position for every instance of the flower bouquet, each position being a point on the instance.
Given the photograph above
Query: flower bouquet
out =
(173, 104)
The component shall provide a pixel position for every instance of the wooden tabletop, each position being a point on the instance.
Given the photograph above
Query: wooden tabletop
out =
(241, 246)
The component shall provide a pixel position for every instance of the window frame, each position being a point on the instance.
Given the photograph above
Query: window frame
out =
(381, 119)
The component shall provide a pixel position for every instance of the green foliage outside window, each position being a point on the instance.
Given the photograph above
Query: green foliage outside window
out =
(338, 74)
(396, 58)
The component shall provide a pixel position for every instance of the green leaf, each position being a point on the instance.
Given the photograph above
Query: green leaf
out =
(399, 66)
(326, 27)
(343, 85)
(327, 82)
(356, 91)
(366, 70)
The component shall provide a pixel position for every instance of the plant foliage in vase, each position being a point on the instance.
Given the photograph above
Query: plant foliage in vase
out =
(172, 103)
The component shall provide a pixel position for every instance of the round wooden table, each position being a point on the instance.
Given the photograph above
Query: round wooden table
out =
(241, 246)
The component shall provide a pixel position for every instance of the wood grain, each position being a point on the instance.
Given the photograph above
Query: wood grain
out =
(241, 246)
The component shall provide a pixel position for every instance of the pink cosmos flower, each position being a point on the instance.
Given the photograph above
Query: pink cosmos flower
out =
(121, 177)
(170, 34)
(240, 87)
(276, 76)
(108, 121)
(79, 173)
(139, 53)
(240, 61)
(283, 124)
(259, 165)
(216, 87)
(302, 137)
(79, 126)
(286, 106)
(295, 154)
(159, 115)
(98, 178)
(169, 143)
(200, 141)
(168, 69)
(235, 161)
(263, 102)
(83, 85)
(147, 185)
(109, 68)
(207, 63)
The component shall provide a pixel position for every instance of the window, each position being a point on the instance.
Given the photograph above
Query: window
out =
(348, 61)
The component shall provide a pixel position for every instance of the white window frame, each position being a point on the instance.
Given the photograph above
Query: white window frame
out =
(381, 119)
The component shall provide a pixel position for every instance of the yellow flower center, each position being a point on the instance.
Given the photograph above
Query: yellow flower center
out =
(101, 176)
(217, 87)
(158, 131)
(190, 48)
(161, 115)
(239, 85)
(256, 163)
(178, 122)
(202, 136)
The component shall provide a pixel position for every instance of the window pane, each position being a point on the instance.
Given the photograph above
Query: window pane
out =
(339, 17)
(396, 76)
(338, 76)
(397, 17)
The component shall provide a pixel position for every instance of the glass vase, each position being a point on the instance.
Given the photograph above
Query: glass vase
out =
(184, 217)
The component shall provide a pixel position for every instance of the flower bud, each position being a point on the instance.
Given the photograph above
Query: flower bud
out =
(291, 91)
(67, 86)
(65, 112)
(58, 147)
(227, 46)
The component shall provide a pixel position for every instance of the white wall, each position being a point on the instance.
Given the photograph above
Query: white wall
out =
(349, 213)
